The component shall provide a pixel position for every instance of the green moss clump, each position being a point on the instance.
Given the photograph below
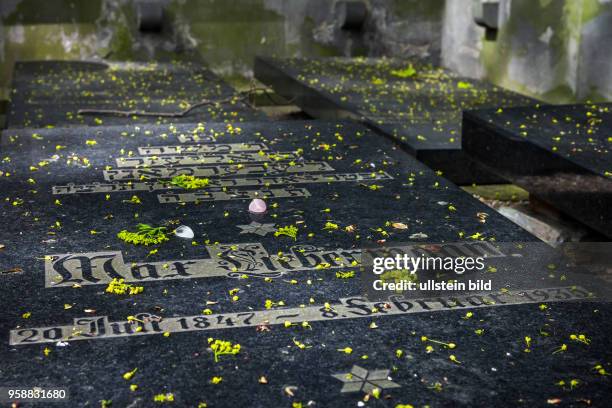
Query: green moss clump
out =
(145, 235)
(189, 182)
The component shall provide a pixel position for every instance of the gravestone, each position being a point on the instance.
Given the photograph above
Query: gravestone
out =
(283, 285)
(53, 92)
(560, 154)
(410, 100)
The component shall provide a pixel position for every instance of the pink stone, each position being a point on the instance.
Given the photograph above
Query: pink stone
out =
(257, 206)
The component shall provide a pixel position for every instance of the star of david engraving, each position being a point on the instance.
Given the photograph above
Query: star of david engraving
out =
(257, 228)
(360, 379)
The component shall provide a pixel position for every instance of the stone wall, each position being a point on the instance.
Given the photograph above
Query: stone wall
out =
(551, 49)
(227, 33)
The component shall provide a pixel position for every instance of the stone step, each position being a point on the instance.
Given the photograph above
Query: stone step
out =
(560, 154)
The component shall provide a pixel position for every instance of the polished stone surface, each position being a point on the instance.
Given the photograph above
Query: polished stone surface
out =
(298, 339)
(129, 161)
(414, 102)
(560, 154)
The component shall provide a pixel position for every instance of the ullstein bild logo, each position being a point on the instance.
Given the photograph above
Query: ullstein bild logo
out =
(432, 285)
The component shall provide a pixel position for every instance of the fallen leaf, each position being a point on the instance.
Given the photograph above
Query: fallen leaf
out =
(12, 270)
(399, 225)
(263, 380)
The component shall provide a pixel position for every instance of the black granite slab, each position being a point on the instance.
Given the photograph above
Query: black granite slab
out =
(52, 92)
(302, 362)
(421, 110)
(560, 154)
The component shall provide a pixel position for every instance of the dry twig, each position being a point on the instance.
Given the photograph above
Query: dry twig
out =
(239, 97)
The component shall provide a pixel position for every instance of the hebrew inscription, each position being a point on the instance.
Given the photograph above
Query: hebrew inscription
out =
(240, 169)
(223, 183)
